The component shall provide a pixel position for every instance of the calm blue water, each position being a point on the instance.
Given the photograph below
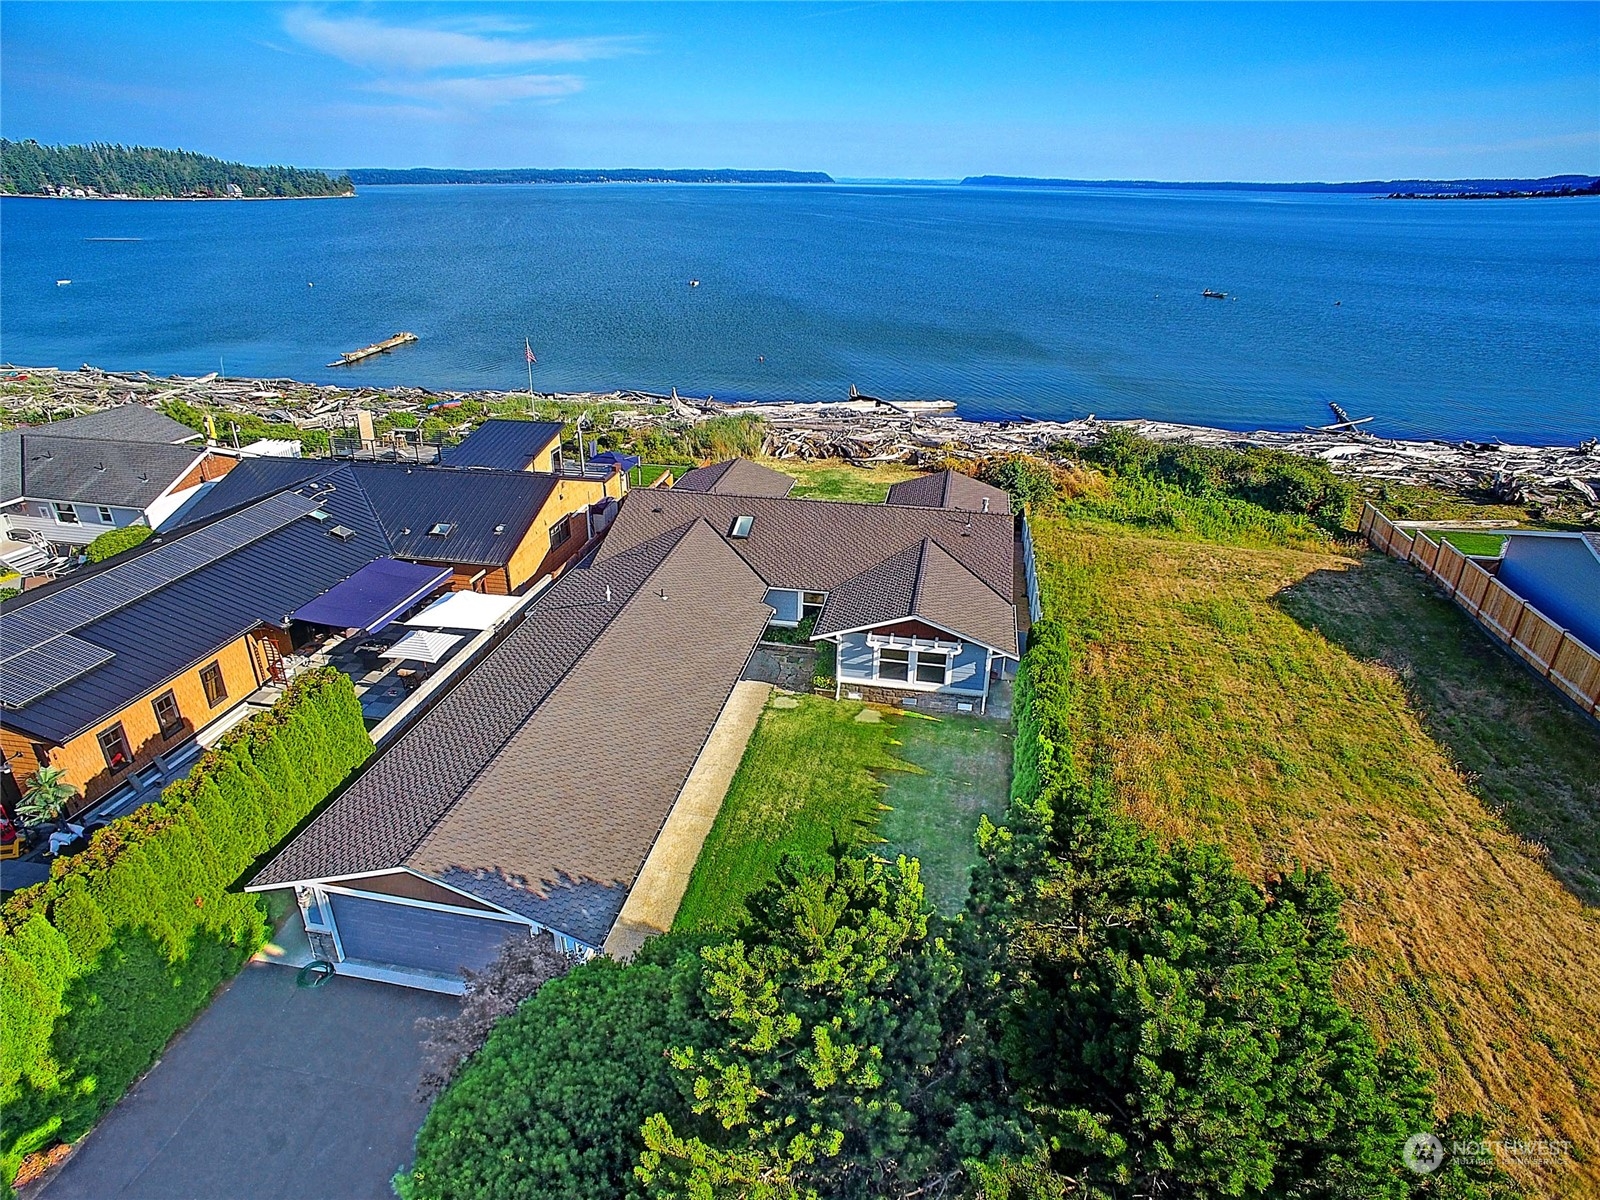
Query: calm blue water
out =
(1473, 319)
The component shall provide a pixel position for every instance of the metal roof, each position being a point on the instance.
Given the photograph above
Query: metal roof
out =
(488, 511)
(170, 628)
(504, 443)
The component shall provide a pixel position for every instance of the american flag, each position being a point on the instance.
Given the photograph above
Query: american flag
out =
(527, 350)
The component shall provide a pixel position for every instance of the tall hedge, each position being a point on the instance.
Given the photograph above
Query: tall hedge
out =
(127, 941)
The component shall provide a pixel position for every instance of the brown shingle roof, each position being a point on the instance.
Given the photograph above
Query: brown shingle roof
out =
(736, 477)
(403, 793)
(949, 489)
(818, 544)
(923, 581)
(559, 824)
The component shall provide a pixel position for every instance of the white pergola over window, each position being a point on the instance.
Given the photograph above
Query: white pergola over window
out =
(902, 659)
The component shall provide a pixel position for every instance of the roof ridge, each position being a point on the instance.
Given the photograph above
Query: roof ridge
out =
(618, 604)
(1008, 599)
(917, 576)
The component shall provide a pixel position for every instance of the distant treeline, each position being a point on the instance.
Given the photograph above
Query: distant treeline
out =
(376, 175)
(1399, 188)
(101, 169)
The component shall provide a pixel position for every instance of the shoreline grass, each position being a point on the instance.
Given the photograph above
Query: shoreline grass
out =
(1326, 707)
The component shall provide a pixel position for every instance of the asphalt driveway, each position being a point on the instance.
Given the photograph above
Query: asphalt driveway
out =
(275, 1091)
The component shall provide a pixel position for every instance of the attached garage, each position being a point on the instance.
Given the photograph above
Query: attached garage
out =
(428, 939)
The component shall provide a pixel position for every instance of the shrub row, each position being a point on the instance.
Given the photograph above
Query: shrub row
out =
(103, 963)
(1273, 479)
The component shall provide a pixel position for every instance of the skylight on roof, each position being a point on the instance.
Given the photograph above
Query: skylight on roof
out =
(442, 529)
(741, 527)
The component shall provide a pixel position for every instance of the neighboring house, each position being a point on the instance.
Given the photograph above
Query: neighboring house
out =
(510, 445)
(527, 800)
(917, 599)
(1559, 574)
(69, 481)
(120, 672)
(498, 530)
(736, 477)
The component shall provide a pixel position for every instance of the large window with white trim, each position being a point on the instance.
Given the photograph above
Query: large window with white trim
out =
(933, 667)
(894, 664)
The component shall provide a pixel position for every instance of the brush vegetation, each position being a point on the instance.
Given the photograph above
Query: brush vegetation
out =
(1240, 676)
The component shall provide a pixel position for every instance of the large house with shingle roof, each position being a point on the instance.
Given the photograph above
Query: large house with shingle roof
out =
(920, 596)
(530, 798)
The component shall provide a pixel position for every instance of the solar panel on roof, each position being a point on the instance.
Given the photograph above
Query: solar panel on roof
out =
(82, 602)
(26, 676)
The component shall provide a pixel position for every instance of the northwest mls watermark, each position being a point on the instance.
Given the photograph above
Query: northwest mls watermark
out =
(1424, 1153)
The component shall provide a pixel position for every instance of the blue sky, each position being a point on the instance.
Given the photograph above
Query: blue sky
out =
(1232, 91)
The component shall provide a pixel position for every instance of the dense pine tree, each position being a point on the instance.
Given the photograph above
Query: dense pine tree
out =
(29, 169)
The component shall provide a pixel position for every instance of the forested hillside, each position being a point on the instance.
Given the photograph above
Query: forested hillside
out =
(29, 169)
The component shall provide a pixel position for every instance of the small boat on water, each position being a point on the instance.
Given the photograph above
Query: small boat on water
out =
(1210, 295)
(694, 283)
(62, 282)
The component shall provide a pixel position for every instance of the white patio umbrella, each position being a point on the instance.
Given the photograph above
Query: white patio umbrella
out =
(423, 645)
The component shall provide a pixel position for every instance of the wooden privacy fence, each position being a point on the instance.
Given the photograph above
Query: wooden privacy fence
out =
(1557, 654)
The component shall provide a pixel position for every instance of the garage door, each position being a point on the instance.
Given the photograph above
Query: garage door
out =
(402, 936)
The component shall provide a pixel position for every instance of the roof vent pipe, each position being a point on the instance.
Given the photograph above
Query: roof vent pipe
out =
(608, 593)
(986, 504)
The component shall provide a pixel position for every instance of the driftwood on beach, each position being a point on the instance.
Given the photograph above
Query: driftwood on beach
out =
(867, 432)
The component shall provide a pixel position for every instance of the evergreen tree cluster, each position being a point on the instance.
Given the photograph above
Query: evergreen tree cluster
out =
(125, 943)
(1110, 1018)
(104, 169)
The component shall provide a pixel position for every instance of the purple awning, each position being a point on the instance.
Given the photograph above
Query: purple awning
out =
(375, 595)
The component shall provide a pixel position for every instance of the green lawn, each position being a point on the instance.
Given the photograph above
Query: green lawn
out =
(963, 770)
(816, 769)
(1474, 543)
(808, 775)
(833, 480)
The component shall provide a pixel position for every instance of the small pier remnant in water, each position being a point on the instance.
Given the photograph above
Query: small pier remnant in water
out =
(383, 347)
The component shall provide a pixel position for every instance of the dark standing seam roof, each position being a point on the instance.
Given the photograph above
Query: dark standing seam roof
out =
(923, 581)
(90, 470)
(736, 477)
(380, 819)
(122, 423)
(818, 544)
(409, 500)
(948, 489)
(504, 443)
(172, 628)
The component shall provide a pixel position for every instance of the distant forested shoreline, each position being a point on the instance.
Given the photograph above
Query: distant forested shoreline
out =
(424, 175)
(103, 171)
(1396, 189)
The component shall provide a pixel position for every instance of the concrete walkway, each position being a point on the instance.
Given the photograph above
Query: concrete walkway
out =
(274, 1091)
(653, 901)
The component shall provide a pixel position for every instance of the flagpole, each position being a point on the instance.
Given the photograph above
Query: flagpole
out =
(527, 348)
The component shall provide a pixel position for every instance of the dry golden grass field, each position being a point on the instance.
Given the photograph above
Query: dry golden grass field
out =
(1328, 707)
